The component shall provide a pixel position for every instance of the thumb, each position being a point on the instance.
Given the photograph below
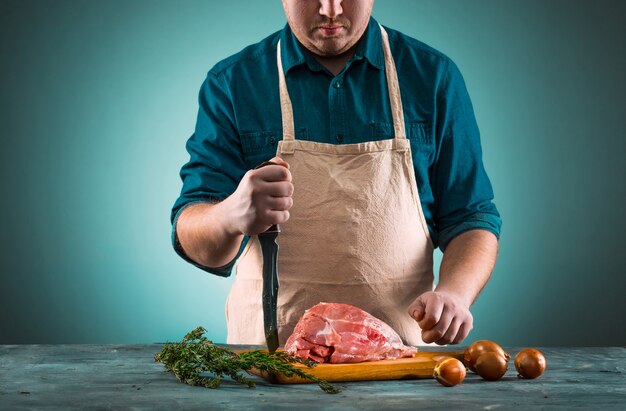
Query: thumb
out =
(417, 309)
(280, 162)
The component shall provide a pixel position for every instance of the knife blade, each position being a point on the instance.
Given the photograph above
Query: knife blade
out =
(269, 249)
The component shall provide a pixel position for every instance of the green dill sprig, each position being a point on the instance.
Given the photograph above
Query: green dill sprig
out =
(196, 354)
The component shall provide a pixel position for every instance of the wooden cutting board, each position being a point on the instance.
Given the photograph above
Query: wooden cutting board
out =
(420, 366)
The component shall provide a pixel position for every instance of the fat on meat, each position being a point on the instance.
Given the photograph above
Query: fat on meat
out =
(342, 333)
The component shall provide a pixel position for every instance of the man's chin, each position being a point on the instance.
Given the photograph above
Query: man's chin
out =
(329, 48)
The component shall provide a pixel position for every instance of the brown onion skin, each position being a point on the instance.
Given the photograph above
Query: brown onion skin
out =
(449, 372)
(472, 352)
(491, 366)
(530, 363)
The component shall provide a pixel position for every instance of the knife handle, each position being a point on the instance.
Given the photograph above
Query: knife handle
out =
(275, 229)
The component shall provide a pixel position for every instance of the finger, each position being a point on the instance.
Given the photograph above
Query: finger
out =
(416, 309)
(464, 331)
(278, 189)
(273, 173)
(439, 329)
(452, 331)
(277, 217)
(432, 313)
(279, 203)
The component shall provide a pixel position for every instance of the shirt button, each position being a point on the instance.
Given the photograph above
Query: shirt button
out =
(339, 138)
(272, 140)
(338, 84)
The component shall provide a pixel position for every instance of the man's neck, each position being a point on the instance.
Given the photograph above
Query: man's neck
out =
(336, 64)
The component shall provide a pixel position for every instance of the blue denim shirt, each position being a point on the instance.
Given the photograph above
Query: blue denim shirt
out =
(239, 124)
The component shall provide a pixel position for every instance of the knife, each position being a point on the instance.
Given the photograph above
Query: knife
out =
(269, 249)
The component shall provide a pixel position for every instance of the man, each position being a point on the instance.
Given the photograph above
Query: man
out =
(378, 161)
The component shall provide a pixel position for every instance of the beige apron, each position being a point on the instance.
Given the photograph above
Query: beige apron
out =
(356, 234)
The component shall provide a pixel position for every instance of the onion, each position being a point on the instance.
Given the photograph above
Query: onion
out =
(449, 372)
(530, 363)
(491, 366)
(479, 347)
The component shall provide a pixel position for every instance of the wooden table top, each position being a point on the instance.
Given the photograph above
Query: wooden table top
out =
(126, 377)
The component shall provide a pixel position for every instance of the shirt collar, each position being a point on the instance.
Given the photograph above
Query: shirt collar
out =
(370, 47)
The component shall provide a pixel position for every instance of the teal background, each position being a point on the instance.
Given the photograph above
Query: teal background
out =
(98, 98)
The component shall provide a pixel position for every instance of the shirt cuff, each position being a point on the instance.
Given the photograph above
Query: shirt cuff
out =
(478, 221)
(223, 271)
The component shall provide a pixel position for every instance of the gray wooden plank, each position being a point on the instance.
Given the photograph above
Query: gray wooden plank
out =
(125, 377)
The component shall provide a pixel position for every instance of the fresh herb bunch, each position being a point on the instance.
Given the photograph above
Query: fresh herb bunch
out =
(196, 354)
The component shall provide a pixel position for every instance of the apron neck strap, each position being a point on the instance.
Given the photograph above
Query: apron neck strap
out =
(285, 102)
(392, 86)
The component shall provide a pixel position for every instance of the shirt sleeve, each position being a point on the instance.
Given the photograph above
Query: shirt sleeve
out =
(216, 163)
(462, 190)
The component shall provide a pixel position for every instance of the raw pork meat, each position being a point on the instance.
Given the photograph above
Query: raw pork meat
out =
(342, 333)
